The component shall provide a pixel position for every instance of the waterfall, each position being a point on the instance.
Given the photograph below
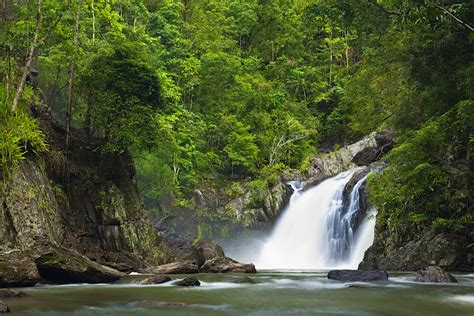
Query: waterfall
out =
(317, 230)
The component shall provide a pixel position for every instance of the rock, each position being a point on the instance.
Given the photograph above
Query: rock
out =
(178, 267)
(435, 274)
(209, 250)
(11, 293)
(225, 264)
(17, 269)
(384, 142)
(409, 246)
(4, 308)
(156, 280)
(158, 304)
(243, 280)
(67, 266)
(357, 275)
(190, 281)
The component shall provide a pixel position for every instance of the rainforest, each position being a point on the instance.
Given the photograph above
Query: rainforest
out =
(230, 157)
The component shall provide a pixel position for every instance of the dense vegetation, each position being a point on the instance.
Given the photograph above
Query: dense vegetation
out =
(220, 91)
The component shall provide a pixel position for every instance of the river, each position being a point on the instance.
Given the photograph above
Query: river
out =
(274, 293)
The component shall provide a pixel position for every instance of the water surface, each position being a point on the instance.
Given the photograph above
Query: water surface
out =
(275, 293)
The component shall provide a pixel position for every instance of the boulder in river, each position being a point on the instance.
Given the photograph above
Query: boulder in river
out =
(435, 274)
(178, 267)
(357, 275)
(4, 308)
(11, 293)
(190, 281)
(17, 269)
(225, 265)
(67, 266)
(159, 279)
(244, 280)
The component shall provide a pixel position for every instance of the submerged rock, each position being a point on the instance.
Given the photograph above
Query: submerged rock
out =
(4, 308)
(225, 265)
(11, 293)
(178, 267)
(357, 275)
(159, 279)
(435, 274)
(17, 269)
(66, 266)
(190, 281)
(159, 304)
(244, 280)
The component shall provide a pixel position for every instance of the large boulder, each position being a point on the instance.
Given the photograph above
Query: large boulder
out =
(4, 308)
(191, 281)
(159, 279)
(209, 250)
(225, 265)
(383, 143)
(435, 274)
(67, 266)
(357, 275)
(17, 269)
(178, 267)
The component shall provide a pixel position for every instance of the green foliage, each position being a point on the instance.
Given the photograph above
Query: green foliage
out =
(226, 91)
(20, 135)
(429, 174)
(123, 93)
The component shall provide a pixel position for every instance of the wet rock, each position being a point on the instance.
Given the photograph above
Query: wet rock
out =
(178, 267)
(244, 280)
(191, 281)
(209, 250)
(11, 293)
(384, 142)
(4, 308)
(17, 269)
(159, 279)
(357, 275)
(67, 266)
(408, 246)
(158, 304)
(435, 274)
(225, 265)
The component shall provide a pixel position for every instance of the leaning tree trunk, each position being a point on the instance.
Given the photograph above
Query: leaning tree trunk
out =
(70, 82)
(29, 58)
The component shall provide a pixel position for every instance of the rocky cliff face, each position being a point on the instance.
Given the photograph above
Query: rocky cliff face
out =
(401, 246)
(91, 213)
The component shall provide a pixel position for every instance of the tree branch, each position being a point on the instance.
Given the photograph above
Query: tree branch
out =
(454, 17)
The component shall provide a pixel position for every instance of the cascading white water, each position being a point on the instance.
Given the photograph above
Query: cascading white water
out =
(316, 231)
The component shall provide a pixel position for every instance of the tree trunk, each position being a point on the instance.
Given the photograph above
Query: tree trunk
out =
(70, 83)
(29, 58)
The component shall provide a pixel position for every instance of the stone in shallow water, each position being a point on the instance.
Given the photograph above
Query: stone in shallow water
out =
(357, 275)
(435, 274)
(4, 308)
(244, 280)
(11, 293)
(159, 279)
(191, 281)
